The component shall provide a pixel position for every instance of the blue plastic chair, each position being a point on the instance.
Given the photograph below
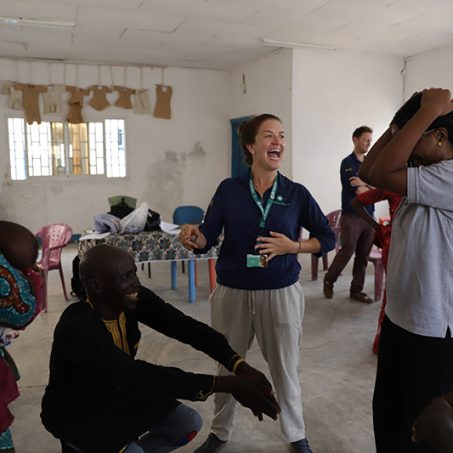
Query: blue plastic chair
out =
(182, 215)
(188, 214)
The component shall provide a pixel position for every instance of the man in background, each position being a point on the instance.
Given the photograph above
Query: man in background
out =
(356, 234)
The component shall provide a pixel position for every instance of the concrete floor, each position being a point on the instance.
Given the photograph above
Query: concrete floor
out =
(337, 367)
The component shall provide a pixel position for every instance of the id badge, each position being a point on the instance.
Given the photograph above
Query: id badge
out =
(256, 260)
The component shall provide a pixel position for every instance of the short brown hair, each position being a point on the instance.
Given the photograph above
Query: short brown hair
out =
(247, 131)
(361, 130)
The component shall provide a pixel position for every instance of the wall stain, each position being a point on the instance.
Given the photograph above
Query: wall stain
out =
(164, 191)
(165, 185)
(197, 152)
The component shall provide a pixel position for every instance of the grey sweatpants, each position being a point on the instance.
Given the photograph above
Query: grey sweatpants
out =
(275, 317)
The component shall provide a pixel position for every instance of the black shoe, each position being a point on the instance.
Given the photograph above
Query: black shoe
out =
(361, 297)
(213, 444)
(328, 289)
(301, 446)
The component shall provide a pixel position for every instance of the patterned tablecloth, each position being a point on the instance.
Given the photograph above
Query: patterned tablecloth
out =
(147, 246)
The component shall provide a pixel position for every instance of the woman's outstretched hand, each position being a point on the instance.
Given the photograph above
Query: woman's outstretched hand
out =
(191, 237)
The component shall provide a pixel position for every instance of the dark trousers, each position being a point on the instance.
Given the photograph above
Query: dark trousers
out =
(356, 236)
(171, 432)
(412, 369)
(108, 423)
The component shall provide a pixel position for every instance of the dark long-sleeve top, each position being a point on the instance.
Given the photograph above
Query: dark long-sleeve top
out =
(350, 167)
(233, 209)
(87, 369)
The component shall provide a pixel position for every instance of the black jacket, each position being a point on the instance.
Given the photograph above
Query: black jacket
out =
(99, 397)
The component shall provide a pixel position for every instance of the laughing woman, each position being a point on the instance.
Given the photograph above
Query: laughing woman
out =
(258, 293)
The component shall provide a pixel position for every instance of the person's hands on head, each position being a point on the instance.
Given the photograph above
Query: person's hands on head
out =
(191, 237)
(275, 244)
(434, 426)
(405, 113)
(437, 101)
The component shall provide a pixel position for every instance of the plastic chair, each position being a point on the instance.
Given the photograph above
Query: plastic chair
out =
(181, 215)
(334, 222)
(375, 257)
(53, 238)
(188, 214)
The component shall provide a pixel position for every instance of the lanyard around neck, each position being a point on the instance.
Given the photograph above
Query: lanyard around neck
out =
(264, 211)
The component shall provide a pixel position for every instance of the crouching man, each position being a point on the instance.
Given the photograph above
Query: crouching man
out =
(100, 399)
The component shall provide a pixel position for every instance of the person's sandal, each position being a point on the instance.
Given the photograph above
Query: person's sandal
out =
(361, 297)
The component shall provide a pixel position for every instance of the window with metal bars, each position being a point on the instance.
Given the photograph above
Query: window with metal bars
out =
(56, 148)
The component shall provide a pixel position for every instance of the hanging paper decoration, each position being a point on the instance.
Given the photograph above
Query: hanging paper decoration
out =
(124, 97)
(99, 99)
(75, 103)
(52, 99)
(162, 107)
(30, 101)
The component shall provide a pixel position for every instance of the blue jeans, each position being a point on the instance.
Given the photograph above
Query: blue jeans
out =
(170, 433)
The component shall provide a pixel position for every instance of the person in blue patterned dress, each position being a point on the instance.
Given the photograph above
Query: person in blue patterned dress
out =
(18, 251)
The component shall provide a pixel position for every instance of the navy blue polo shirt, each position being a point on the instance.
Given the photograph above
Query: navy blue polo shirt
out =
(233, 210)
(350, 167)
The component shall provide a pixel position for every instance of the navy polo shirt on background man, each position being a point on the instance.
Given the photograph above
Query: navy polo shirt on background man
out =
(350, 167)
(356, 234)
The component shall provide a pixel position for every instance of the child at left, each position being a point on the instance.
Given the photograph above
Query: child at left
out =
(20, 292)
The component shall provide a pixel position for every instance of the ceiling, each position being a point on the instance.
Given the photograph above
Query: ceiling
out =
(218, 34)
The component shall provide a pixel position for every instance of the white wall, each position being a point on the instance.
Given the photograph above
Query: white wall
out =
(335, 92)
(321, 97)
(269, 90)
(170, 162)
(430, 70)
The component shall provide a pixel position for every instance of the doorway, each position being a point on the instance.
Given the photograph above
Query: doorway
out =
(237, 158)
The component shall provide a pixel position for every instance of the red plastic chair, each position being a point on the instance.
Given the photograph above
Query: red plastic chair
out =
(334, 222)
(376, 258)
(53, 238)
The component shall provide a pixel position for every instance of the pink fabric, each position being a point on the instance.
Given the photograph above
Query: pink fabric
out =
(8, 393)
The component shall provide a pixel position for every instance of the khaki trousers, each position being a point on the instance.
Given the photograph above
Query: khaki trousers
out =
(275, 318)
